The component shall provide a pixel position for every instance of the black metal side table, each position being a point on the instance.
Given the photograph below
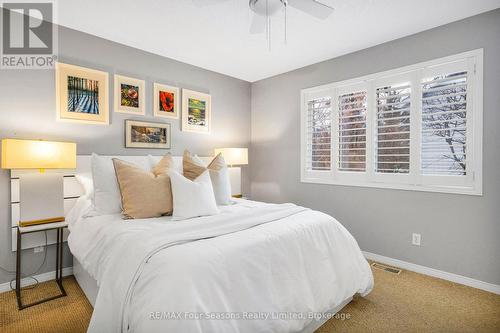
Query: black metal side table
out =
(59, 227)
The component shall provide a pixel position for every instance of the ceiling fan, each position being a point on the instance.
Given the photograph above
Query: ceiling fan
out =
(263, 10)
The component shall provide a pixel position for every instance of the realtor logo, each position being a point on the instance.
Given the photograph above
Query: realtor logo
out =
(28, 35)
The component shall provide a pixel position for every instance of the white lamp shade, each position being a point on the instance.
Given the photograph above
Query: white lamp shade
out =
(36, 154)
(234, 156)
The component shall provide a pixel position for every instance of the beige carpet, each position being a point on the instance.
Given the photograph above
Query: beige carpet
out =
(412, 302)
(408, 302)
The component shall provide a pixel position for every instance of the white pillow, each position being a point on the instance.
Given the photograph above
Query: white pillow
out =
(192, 198)
(219, 174)
(153, 161)
(198, 160)
(221, 186)
(85, 179)
(106, 198)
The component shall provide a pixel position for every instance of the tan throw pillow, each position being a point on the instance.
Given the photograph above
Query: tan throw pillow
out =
(145, 194)
(192, 166)
(217, 163)
(164, 165)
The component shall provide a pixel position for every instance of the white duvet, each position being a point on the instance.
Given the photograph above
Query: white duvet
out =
(253, 268)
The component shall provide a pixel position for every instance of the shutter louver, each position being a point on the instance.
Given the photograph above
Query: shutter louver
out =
(444, 112)
(318, 134)
(392, 146)
(352, 132)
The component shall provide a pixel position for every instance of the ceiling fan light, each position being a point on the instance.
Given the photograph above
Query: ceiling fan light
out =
(267, 7)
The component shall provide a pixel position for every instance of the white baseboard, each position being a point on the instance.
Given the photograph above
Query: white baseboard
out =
(40, 277)
(492, 288)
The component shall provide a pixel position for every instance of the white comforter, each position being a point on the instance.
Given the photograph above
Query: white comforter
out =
(277, 263)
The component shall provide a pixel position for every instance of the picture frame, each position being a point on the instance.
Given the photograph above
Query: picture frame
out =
(165, 101)
(82, 95)
(196, 112)
(129, 95)
(144, 134)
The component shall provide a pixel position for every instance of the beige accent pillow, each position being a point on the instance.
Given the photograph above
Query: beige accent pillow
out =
(217, 163)
(145, 194)
(192, 166)
(164, 165)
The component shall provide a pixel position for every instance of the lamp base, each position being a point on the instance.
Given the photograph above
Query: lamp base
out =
(37, 222)
(235, 179)
(41, 198)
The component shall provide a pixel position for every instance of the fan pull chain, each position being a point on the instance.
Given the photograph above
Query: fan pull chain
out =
(267, 20)
(285, 22)
(270, 35)
(268, 26)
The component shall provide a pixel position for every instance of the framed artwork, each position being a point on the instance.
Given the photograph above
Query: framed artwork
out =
(81, 95)
(141, 134)
(195, 111)
(165, 101)
(129, 95)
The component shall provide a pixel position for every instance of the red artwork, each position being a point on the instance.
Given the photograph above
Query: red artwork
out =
(166, 101)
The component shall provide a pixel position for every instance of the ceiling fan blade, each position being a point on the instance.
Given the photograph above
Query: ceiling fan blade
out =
(204, 3)
(312, 7)
(258, 24)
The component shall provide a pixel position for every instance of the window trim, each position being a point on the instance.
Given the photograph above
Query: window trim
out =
(413, 181)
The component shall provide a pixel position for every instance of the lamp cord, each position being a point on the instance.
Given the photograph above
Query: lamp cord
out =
(29, 276)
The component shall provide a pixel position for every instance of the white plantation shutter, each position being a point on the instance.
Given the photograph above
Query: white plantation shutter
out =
(418, 127)
(444, 124)
(352, 131)
(319, 134)
(392, 149)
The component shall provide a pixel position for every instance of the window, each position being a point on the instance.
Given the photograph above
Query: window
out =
(352, 131)
(417, 127)
(319, 126)
(444, 124)
(393, 128)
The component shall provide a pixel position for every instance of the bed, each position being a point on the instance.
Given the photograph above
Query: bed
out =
(255, 267)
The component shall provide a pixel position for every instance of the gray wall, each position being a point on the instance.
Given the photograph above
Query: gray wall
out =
(460, 233)
(27, 110)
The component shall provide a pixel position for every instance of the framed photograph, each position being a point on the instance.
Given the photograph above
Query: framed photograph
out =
(130, 95)
(81, 95)
(195, 111)
(165, 101)
(141, 134)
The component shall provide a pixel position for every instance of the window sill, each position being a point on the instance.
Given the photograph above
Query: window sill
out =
(406, 187)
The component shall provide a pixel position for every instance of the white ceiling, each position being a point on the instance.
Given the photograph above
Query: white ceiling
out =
(216, 36)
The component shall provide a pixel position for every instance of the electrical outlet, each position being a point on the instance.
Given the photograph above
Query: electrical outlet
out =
(39, 249)
(415, 239)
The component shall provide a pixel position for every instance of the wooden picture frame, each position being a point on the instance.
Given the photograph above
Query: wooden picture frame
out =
(196, 112)
(129, 95)
(143, 134)
(165, 101)
(82, 95)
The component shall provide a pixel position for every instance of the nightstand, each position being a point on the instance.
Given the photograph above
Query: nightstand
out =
(59, 227)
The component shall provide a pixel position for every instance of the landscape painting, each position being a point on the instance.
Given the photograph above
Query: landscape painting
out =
(129, 95)
(165, 101)
(196, 111)
(149, 134)
(141, 134)
(81, 94)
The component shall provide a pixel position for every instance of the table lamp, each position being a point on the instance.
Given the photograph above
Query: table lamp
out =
(234, 156)
(41, 194)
